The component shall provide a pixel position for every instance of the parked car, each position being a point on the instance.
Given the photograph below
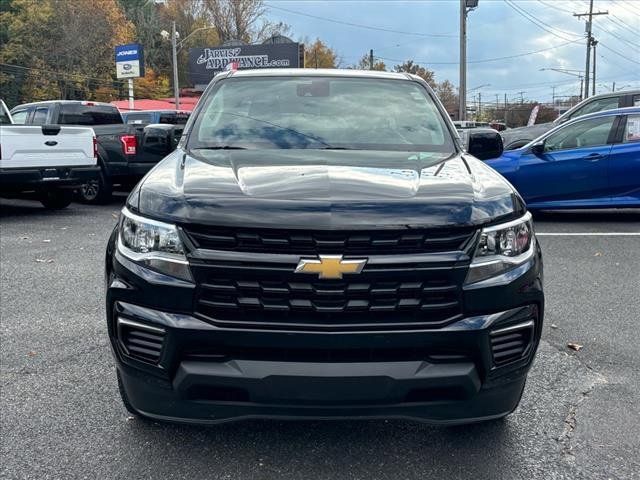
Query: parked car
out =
(518, 137)
(125, 153)
(46, 163)
(591, 161)
(147, 117)
(320, 245)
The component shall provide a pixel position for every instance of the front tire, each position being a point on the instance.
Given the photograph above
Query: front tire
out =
(97, 191)
(56, 199)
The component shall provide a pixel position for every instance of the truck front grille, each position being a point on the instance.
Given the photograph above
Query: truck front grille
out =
(380, 242)
(414, 301)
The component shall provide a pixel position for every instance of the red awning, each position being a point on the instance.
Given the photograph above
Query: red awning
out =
(186, 104)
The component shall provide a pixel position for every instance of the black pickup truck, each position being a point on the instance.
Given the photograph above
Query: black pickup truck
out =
(320, 244)
(125, 153)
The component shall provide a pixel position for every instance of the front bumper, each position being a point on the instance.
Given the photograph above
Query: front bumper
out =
(205, 373)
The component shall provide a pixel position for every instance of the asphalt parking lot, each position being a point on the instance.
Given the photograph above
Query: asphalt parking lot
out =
(61, 415)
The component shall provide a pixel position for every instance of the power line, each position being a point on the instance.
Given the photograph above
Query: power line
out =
(623, 6)
(555, 7)
(622, 39)
(359, 25)
(485, 60)
(619, 54)
(539, 23)
(395, 46)
(61, 74)
(546, 84)
(620, 23)
(624, 69)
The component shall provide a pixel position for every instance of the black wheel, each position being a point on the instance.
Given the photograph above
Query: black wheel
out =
(125, 398)
(96, 191)
(56, 199)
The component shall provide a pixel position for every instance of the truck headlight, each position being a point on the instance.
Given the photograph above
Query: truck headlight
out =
(502, 248)
(153, 244)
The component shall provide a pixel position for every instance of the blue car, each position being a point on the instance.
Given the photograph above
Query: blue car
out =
(590, 162)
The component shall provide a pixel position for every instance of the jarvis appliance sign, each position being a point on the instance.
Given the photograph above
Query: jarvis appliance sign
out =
(129, 61)
(204, 63)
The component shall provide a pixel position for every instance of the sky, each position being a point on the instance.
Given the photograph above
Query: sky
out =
(427, 31)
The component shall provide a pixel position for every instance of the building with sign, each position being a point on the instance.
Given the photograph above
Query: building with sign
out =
(276, 52)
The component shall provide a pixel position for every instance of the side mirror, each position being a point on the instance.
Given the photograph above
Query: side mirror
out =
(538, 148)
(161, 139)
(484, 143)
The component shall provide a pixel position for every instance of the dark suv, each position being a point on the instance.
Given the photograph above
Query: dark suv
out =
(319, 245)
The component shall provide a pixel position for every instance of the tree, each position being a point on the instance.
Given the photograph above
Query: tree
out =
(319, 55)
(447, 95)
(148, 22)
(414, 68)
(22, 75)
(240, 20)
(62, 48)
(363, 64)
(152, 85)
(87, 40)
(150, 19)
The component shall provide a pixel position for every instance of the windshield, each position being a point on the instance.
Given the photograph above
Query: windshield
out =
(320, 112)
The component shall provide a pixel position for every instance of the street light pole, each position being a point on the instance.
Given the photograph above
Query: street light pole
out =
(465, 7)
(573, 73)
(462, 109)
(174, 48)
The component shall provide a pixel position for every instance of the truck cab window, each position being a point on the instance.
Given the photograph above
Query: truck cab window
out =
(40, 116)
(20, 117)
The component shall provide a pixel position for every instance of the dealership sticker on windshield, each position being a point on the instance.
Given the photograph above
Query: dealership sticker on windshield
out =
(633, 129)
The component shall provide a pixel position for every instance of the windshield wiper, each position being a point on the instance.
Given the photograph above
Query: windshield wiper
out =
(335, 148)
(221, 147)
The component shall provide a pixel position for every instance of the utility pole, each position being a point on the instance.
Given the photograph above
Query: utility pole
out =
(553, 97)
(465, 7)
(479, 116)
(371, 59)
(590, 14)
(594, 43)
(521, 97)
(581, 87)
(174, 52)
(613, 89)
(505, 109)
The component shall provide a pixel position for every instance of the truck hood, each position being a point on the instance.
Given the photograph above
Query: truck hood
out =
(324, 189)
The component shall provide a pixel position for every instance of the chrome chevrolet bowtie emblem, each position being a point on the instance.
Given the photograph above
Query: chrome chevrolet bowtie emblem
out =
(330, 266)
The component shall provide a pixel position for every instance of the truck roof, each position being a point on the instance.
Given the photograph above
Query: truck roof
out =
(319, 72)
(80, 102)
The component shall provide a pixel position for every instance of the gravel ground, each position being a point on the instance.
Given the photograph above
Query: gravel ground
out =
(61, 415)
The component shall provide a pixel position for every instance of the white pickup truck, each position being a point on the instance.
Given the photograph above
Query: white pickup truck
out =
(45, 162)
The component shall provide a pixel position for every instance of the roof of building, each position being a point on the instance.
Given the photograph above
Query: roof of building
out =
(186, 104)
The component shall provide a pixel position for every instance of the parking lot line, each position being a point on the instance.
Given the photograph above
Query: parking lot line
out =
(588, 234)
